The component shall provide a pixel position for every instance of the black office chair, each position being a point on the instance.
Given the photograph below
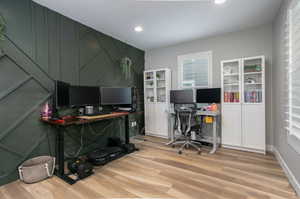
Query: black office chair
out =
(184, 115)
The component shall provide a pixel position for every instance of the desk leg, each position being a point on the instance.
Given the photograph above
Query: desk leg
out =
(60, 152)
(215, 137)
(60, 172)
(126, 130)
(172, 126)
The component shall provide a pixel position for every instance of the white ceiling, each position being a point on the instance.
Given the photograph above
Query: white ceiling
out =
(165, 22)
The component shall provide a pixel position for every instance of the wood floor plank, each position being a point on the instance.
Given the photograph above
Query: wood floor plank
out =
(142, 175)
(141, 189)
(60, 189)
(158, 171)
(283, 185)
(206, 179)
(214, 190)
(84, 189)
(14, 190)
(223, 160)
(226, 177)
(36, 190)
(103, 186)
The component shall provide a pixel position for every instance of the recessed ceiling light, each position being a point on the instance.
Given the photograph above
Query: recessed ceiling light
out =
(220, 1)
(138, 29)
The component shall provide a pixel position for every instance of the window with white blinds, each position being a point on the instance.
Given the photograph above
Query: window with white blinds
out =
(195, 70)
(294, 69)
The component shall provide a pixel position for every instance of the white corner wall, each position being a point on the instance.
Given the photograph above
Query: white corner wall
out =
(286, 155)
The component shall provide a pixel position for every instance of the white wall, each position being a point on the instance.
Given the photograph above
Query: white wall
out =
(289, 155)
(247, 43)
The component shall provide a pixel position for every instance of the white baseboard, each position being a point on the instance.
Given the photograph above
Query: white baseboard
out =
(244, 149)
(288, 172)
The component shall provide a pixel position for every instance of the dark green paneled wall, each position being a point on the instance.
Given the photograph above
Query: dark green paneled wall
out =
(41, 46)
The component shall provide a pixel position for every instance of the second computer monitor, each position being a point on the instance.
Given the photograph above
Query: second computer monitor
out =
(182, 96)
(84, 95)
(116, 96)
(208, 96)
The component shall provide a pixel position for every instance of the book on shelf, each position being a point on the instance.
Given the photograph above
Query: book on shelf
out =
(231, 97)
(253, 96)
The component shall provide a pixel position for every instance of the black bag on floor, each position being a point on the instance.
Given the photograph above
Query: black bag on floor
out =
(103, 156)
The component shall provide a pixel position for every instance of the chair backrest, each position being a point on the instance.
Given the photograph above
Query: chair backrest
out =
(184, 114)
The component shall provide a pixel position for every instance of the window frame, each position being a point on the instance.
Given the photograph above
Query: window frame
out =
(181, 58)
(292, 138)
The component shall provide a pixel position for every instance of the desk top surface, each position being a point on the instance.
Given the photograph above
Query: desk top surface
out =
(84, 119)
(208, 113)
(204, 113)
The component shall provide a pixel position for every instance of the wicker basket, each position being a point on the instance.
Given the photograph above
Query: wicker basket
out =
(37, 169)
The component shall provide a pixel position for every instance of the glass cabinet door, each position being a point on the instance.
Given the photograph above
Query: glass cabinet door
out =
(231, 81)
(149, 79)
(161, 87)
(253, 76)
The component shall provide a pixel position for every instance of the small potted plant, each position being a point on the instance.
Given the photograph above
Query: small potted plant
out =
(158, 76)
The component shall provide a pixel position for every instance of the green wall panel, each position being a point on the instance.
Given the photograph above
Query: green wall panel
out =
(41, 46)
(13, 74)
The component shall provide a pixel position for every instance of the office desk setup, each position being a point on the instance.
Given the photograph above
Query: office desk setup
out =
(215, 114)
(80, 120)
(185, 107)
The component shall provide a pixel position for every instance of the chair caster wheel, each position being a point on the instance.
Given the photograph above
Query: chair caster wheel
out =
(173, 146)
(180, 152)
(199, 152)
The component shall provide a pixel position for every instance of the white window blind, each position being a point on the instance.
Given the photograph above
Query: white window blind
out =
(294, 69)
(195, 70)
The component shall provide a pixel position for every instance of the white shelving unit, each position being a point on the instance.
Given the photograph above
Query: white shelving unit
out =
(157, 86)
(243, 104)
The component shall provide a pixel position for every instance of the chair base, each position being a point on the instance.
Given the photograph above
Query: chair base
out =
(186, 143)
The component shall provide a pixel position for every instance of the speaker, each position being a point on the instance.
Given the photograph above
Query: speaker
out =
(82, 168)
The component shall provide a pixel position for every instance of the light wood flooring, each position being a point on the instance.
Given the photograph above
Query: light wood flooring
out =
(157, 171)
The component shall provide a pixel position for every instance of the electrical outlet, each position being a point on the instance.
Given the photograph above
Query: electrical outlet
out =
(133, 124)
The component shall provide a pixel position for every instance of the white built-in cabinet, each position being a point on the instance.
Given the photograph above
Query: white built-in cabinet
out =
(243, 104)
(157, 86)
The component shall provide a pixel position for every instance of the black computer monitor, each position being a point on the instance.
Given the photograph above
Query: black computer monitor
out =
(212, 95)
(61, 94)
(182, 96)
(116, 96)
(84, 95)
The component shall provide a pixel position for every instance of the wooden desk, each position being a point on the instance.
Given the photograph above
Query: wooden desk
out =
(80, 120)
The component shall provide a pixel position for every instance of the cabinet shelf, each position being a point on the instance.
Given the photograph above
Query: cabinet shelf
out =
(235, 84)
(253, 83)
(252, 65)
(232, 74)
(253, 73)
